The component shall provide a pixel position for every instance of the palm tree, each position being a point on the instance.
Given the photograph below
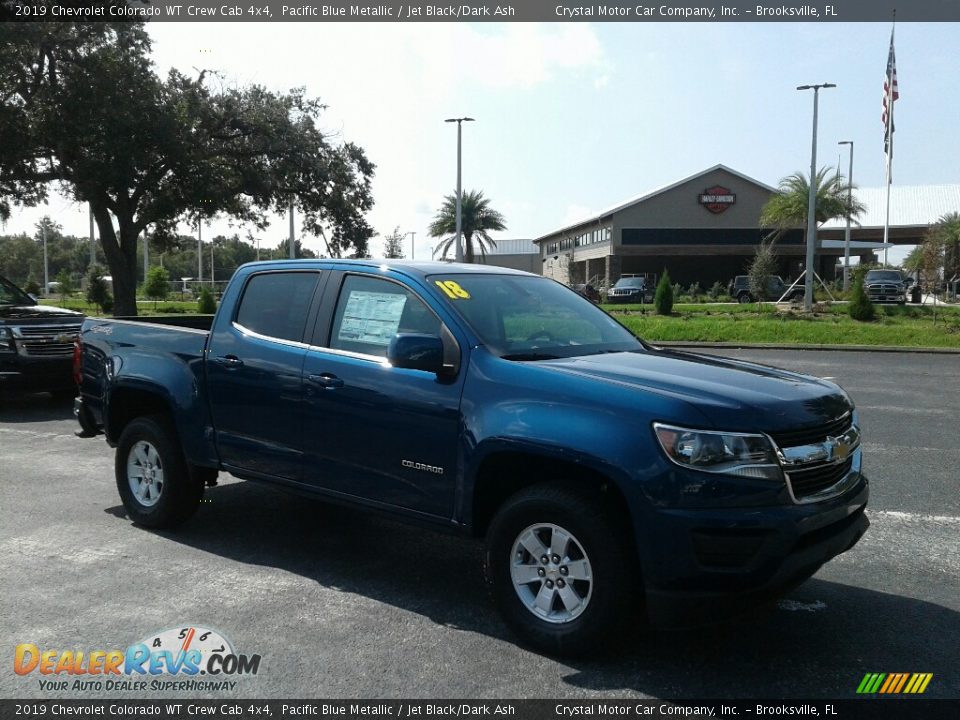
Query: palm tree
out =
(946, 232)
(788, 208)
(477, 218)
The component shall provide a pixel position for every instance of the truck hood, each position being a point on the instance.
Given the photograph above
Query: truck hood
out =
(730, 394)
(37, 312)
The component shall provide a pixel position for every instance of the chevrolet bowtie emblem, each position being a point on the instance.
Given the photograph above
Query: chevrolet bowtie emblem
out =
(839, 448)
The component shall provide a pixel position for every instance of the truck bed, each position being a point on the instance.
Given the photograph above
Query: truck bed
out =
(160, 356)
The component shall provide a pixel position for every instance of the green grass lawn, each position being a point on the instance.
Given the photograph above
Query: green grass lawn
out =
(908, 326)
(146, 307)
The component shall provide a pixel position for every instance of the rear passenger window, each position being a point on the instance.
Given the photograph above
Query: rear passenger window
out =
(277, 304)
(371, 311)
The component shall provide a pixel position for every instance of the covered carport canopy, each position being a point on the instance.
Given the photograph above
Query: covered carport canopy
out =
(913, 209)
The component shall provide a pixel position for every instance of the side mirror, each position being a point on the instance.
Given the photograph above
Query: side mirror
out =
(416, 352)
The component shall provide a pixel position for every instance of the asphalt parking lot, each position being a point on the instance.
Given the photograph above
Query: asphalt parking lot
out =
(343, 604)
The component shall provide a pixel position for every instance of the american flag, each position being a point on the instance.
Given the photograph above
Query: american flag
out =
(890, 93)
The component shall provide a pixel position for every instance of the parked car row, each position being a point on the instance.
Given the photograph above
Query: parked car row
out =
(638, 289)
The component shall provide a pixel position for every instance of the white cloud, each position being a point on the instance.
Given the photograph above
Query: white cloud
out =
(507, 56)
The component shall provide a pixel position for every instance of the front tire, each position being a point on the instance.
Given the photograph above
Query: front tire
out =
(743, 298)
(153, 478)
(560, 572)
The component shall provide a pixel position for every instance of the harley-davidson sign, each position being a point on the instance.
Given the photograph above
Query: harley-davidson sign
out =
(716, 199)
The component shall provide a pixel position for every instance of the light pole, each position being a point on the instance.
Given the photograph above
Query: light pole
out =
(93, 243)
(846, 235)
(46, 267)
(199, 252)
(412, 235)
(812, 200)
(293, 246)
(458, 255)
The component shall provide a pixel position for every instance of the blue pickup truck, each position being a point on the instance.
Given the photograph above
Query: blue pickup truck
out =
(611, 479)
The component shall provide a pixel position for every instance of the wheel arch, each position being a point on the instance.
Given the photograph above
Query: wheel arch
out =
(508, 470)
(127, 403)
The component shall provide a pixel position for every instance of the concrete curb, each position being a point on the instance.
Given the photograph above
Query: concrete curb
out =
(778, 346)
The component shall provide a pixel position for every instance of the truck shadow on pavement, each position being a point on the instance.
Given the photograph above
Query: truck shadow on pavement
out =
(35, 407)
(819, 643)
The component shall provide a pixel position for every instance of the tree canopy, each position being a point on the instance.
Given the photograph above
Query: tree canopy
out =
(789, 207)
(477, 219)
(946, 233)
(393, 244)
(83, 107)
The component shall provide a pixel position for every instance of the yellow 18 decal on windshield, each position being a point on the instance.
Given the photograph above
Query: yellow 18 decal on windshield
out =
(453, 290)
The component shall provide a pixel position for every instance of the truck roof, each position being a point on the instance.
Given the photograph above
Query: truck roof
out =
(413, 268)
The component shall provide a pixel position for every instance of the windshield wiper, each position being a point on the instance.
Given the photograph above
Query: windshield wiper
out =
(529, 356)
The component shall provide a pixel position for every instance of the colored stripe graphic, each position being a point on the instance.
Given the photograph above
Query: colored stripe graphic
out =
(894, 683)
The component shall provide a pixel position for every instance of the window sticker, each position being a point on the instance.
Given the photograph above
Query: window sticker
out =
(371, 317)
(452, 289)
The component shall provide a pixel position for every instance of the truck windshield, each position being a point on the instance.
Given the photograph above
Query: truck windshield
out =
(884, 276)
(530, 318)
(634, 282)
(10, 294)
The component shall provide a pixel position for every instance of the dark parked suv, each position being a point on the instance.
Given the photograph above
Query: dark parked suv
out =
(630, 290)
(739, 289)
(36, 343)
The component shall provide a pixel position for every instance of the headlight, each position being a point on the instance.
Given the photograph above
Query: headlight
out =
(729, 453)
(6, 340)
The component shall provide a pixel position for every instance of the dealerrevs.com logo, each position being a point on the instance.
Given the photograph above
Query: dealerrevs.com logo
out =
(184, 652)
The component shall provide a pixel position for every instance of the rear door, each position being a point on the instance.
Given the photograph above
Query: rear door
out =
(254, 371)
(373, 431)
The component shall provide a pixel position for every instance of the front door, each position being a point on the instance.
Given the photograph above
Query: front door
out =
(373, 431)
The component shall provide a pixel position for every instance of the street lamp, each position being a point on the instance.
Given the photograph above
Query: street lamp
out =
(846, 235)
(292, 244)
(812, 199)
(458, 256)
(412, 235)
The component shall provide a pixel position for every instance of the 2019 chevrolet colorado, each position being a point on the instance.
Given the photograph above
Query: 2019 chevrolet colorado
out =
(609, 477)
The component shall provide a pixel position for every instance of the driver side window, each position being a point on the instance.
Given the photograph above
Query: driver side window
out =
(370, 311)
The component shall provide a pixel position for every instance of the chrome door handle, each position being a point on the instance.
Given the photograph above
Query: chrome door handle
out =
(326, 380)
(229, 361)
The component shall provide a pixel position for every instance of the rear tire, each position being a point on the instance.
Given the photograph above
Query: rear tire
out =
(577, 601)
(743, 298)
(153, 479)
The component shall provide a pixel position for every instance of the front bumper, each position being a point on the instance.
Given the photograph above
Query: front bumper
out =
(711, 565)
(35, 374)
(622, 299)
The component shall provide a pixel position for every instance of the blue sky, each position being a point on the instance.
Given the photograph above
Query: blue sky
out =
(572, 118)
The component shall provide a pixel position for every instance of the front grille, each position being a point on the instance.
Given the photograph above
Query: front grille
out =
(47, 349)
(46, 340)
(808, 436)
(811, 481)
(44, 331)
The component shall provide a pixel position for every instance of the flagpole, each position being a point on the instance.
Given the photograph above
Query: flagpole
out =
(890, 102)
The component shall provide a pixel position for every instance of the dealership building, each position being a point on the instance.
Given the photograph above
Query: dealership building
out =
(705, 228)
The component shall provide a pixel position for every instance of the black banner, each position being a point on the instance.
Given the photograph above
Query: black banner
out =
(473, 11)
(183, 709)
